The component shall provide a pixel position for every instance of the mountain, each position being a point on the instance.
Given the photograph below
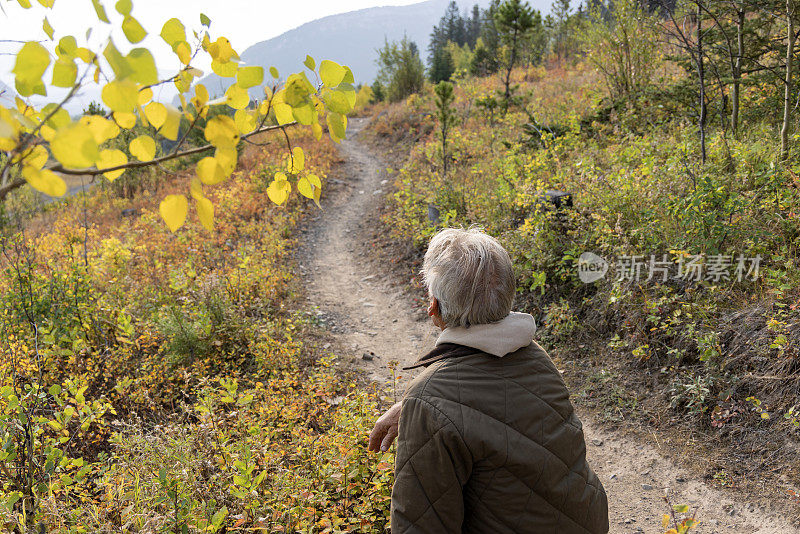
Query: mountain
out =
(349, 38)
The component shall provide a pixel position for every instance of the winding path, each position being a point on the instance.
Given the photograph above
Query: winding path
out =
(371, 321)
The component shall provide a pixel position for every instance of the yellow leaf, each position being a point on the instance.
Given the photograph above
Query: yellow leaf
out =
(31, 63)
(74, 146)
(37, 157)
(297, 161)
(221, 132)
(133, 30)
(221, 50)
(120, 95)
(227, 158)
(314, 180)
(173, 31)
(337, 126)
(141, 62)
(665, 520)
(111, 157)
(183, 51)
(125, 120)
(102, 128)
(210, 171)
(247, 77)
(305, 188)
(145, 96)
(100, 10)
(124, 7)
(143, 148)
(174, 209)
(304, 114)
(67, 46)
(283, 112)
(278, 191)
(205, 212)
(331, 73)
(226, 69)
(200, 96)
(237, 97)
(316, 129)
(156, 114)
(48, 29)
(45, 181)
(245, 121)
(65, 72)
(196, 189)
(172, 124)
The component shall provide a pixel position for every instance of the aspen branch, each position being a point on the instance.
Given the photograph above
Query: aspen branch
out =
(139, 164)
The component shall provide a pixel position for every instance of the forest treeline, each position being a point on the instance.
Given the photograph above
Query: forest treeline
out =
(722, 47)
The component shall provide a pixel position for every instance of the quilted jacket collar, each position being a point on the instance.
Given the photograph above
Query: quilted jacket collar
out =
(442, 351)
(505, 336)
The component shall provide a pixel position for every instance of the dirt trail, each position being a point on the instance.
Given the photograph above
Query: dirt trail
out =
(371, 321)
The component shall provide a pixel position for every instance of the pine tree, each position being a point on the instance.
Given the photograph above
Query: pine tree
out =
(514, 20)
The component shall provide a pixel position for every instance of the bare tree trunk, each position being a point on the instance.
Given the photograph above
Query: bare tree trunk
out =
(701, 75)
(510, 67)
(787, 93)
(737, 68)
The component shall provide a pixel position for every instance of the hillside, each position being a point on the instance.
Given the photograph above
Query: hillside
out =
(352, 38)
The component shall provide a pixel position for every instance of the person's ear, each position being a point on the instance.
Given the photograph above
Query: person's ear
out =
(433, 307)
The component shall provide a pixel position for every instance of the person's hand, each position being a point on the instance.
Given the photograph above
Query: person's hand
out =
(385, 429)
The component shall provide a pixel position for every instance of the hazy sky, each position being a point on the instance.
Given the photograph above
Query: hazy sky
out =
(244, 22)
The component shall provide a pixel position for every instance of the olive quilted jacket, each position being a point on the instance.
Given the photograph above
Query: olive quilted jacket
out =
(492, 444)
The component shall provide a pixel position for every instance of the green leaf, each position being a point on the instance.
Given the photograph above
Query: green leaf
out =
(337, 124)
(310, 63)
(204, 20)
(124, 7)
(219, 517)
(65, 72)
(48, 29)
(338, 102)
(101, 11)
(681, 508)
(31, 64)
(173, 31)
(141, 61)
(273, 72)
(348, 77)
(305, 115)
(133, 30)
(248, 77)
(118, 62)
(331, 73)
(67, 46)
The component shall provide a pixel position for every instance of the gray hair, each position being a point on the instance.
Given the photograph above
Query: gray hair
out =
(470, 275)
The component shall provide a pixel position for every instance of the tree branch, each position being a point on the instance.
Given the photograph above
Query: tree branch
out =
(139, 164)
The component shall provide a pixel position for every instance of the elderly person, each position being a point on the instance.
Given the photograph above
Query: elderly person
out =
(488, 441)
